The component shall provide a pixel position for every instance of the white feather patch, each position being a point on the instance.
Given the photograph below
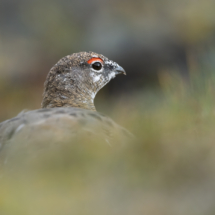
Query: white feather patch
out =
(96, 78)
(19, 128)
(112, 75)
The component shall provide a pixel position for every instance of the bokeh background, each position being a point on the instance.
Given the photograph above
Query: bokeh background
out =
(167, 99)
(147, 38)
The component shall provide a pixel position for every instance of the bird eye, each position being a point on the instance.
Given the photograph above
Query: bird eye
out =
(97, 66)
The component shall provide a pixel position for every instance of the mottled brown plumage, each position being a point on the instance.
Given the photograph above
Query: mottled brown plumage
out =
(73, 83)
(68, 104)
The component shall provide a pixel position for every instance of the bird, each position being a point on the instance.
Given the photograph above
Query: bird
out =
(67, 108)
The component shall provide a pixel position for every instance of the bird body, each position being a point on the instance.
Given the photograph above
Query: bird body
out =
(68, 104)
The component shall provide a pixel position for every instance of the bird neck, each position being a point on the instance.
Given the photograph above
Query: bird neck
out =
(73, 97)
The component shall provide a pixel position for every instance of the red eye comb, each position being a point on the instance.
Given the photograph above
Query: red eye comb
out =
(95, 59)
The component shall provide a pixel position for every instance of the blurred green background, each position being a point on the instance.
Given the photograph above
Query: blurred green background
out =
(167, 99)
(147, 38)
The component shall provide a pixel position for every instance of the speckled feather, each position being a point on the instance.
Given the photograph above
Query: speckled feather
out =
(68, 106)
(71, 83)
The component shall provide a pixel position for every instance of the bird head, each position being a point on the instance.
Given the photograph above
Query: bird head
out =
(75, 80)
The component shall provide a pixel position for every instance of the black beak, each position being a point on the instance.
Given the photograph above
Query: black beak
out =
(119, 70)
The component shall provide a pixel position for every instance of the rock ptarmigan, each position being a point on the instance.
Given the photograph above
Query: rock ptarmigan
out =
(68, 107)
